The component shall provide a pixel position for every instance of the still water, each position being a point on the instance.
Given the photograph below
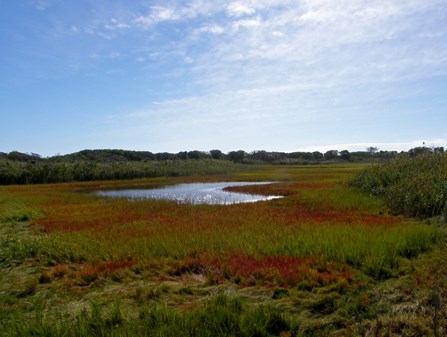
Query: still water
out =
(194, 193)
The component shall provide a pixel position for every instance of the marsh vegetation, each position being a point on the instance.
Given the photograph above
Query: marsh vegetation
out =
(326, 259)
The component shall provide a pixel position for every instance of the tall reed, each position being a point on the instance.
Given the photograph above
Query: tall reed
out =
(414, 187)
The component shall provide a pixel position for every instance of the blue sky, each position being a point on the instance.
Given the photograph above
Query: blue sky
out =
(278, 75)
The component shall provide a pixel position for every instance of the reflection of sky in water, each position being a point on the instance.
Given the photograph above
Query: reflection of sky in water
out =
(195, 193)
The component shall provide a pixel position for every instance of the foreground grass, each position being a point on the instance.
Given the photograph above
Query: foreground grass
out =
(325, 259)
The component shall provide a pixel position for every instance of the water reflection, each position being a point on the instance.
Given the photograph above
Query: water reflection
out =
(194, 193)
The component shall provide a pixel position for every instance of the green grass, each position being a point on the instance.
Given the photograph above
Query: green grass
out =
(221, 315)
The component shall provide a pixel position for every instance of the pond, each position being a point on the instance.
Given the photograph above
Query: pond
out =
(193, 193)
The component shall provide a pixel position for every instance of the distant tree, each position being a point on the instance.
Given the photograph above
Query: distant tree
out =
(439, 149)
(261, 155)
(345, 155)
(217, 154)
(147, 156)
(237, 156)
(19, 156)
(182, 155)
(417, 151)
(331, 154)
(305, 155)
(372, 150)
(360, 155)
(36, 155)
(164, 156)
(317, 155)
(386, 154)
(197, 155)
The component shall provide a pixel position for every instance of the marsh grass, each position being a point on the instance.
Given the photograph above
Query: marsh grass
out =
(291, 266)
(373, 249)
(221, 315)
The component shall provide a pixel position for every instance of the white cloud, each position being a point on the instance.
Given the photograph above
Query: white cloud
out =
(158, 14)
(283, 63)
(212, 29)
(239, 9)
(41, 4)
(246, 23)
(340, 43)
(200, 8)
(277, 33)
(180, 12)
(115, 25)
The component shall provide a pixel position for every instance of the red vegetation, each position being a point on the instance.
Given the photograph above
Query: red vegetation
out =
(86, 273)
(87, 214)
(283, 189)
(107, 267)
(65, 207)
(285, 271)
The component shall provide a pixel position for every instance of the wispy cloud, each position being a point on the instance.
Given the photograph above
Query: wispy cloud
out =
(212, 28)
(239, 8)
(287, 64)
(343, 40)
(298, 66)
(115, 25)
(41, 4)
(157, 14)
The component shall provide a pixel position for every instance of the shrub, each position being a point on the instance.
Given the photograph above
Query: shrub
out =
(412, 186)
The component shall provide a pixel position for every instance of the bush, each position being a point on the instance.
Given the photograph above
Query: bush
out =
(412, 186)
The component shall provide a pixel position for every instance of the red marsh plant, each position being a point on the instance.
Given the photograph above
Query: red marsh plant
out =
(86, 273)
(103, 216)
(284, 271)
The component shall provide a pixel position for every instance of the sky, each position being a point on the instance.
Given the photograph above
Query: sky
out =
(170, 76)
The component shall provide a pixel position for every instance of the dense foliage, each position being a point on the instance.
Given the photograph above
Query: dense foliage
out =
(42, 172)
(88, 165)
(413, 186)
(273, 157)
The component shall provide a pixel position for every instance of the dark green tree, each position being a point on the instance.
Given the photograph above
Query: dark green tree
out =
(345, 155)
(331, 154)
(217, 154)
(237, 156)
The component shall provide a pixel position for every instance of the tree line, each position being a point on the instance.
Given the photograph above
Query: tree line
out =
(109, 156)
(88, 165)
